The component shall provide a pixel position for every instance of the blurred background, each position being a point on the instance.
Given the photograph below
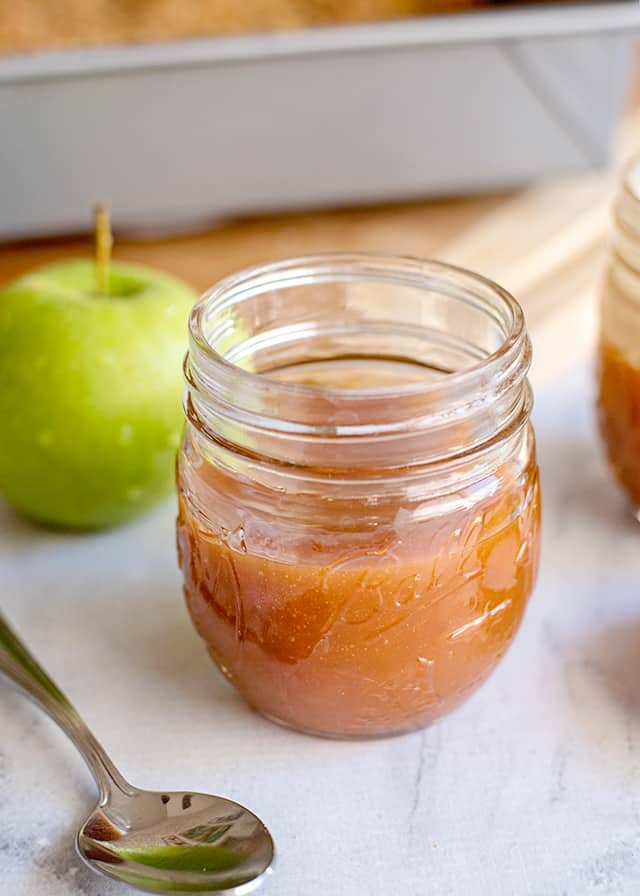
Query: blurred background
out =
(191, 119)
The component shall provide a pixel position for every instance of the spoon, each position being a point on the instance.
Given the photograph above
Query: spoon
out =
(158, 841)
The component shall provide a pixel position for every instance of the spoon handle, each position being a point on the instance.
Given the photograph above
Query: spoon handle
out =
(20, 667)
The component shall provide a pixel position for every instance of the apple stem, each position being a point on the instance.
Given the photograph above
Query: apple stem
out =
(104, 243)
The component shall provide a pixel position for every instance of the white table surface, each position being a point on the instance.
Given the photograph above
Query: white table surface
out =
(533, 787)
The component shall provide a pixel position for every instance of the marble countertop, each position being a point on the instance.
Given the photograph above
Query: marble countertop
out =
(533, 787)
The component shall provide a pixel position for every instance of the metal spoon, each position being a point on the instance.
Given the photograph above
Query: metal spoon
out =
(158, 841)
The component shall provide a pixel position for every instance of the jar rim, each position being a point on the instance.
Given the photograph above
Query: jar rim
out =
(395, 426)
(265, 276)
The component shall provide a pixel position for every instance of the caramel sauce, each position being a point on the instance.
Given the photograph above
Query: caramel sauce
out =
(619, 416)
(377, 641)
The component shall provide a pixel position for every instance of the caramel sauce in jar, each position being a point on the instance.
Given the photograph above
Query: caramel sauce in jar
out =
(619, 416)
(359, 514)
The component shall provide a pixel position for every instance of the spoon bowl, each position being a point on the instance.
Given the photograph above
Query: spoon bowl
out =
(158, 841)
(177, 842)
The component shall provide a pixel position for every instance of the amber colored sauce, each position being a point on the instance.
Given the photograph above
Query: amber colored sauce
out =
(619, 416)
(371, 644)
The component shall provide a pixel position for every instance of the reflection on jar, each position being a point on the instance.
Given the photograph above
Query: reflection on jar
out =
(359, 501)
(619, 349)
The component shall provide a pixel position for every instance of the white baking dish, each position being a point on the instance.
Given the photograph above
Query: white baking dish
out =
(180, 133)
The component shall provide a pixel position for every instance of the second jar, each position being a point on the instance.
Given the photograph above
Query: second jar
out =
(619, 348)
(359, 503)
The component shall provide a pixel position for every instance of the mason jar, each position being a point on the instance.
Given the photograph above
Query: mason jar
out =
(619, 345)
(359, 504)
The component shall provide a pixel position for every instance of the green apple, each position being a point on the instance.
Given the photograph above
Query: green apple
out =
(90, 391)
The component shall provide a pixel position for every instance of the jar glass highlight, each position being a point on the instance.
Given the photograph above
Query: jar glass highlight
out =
(359, 504)
(619, 347)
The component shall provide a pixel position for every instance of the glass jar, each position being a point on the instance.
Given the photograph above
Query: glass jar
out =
(359, 505)
(619, 346)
